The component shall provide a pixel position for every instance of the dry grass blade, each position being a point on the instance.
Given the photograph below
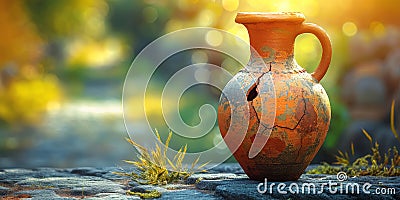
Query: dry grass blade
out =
(153, 165)
(367, 135)
(172, 165)
(203, 165)
(167, 143)
(146, 195)
(396, 135)
(181, 157)
(342, 158)
(195, 163)
(133, 143)
(369, 165)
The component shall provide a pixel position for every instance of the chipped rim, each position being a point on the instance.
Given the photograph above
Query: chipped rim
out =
(260, 17)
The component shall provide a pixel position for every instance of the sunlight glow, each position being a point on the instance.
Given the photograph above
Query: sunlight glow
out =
(230, 5)
(214, 38)
(205, 18)
(349, 29)
(95, 53)
(199, 57)
(377, 28)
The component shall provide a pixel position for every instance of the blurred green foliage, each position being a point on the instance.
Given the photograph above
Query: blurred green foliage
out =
(51, 49)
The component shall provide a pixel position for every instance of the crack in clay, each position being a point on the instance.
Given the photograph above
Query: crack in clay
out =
(250, 70)
(253, 93)
(258, 119)
(301, 146)
(301, 118)
(301, 140)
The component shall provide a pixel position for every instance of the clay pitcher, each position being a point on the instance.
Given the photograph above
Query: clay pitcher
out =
(289, 112)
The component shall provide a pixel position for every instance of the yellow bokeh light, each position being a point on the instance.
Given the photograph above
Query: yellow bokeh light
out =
(202, 75)
(307, 50)
(349, 29)
(95, 53)
(283, 6)
(214, 38)
(377, 28)
(173, 25)
(311, 8)
(255, 3)
(199, 57)
(230, 65)
(205, 18)
(230, 5)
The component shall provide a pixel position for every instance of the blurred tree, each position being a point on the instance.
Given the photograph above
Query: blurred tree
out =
(25, 89)
(20, 41)
(65, 24)
(139, 22)
(77, 39)
(68, 18)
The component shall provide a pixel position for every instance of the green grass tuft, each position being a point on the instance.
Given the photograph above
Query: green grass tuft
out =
(146, 195)
(153, 165)
(372, 164)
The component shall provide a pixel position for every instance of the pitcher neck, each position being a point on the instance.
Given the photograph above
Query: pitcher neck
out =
(274, 42)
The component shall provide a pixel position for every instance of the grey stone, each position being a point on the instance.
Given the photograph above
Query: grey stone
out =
(42, 194)
(240, 192)
(133, 183)
(212, 184)
(249, 191)
(187, 194)
(4, 190)
(176, 191)
(176, 186)
(209, 184)
(110, 175)
(147, 188)
(88, 171)
(113, 177)
(228, 168)
(101, 183)
(112, 196)
(11, 176)
(212, 176)
(86, 185)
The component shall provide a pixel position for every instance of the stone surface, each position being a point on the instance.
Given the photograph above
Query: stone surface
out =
(101, 183)
(187, 194)
(4, 190)
(228, 168)
(42, 194)
(111, 196)
(212, 176)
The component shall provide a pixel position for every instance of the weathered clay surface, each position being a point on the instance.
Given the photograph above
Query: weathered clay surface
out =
(302, 120)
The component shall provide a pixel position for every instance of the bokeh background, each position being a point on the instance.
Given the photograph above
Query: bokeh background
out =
(63, 63)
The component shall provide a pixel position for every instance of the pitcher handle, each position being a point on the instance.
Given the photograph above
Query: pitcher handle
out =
(323, 38)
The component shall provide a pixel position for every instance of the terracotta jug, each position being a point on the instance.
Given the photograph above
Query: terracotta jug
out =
(294, 132)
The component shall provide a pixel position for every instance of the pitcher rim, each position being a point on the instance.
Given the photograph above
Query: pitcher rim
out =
(260, 17)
